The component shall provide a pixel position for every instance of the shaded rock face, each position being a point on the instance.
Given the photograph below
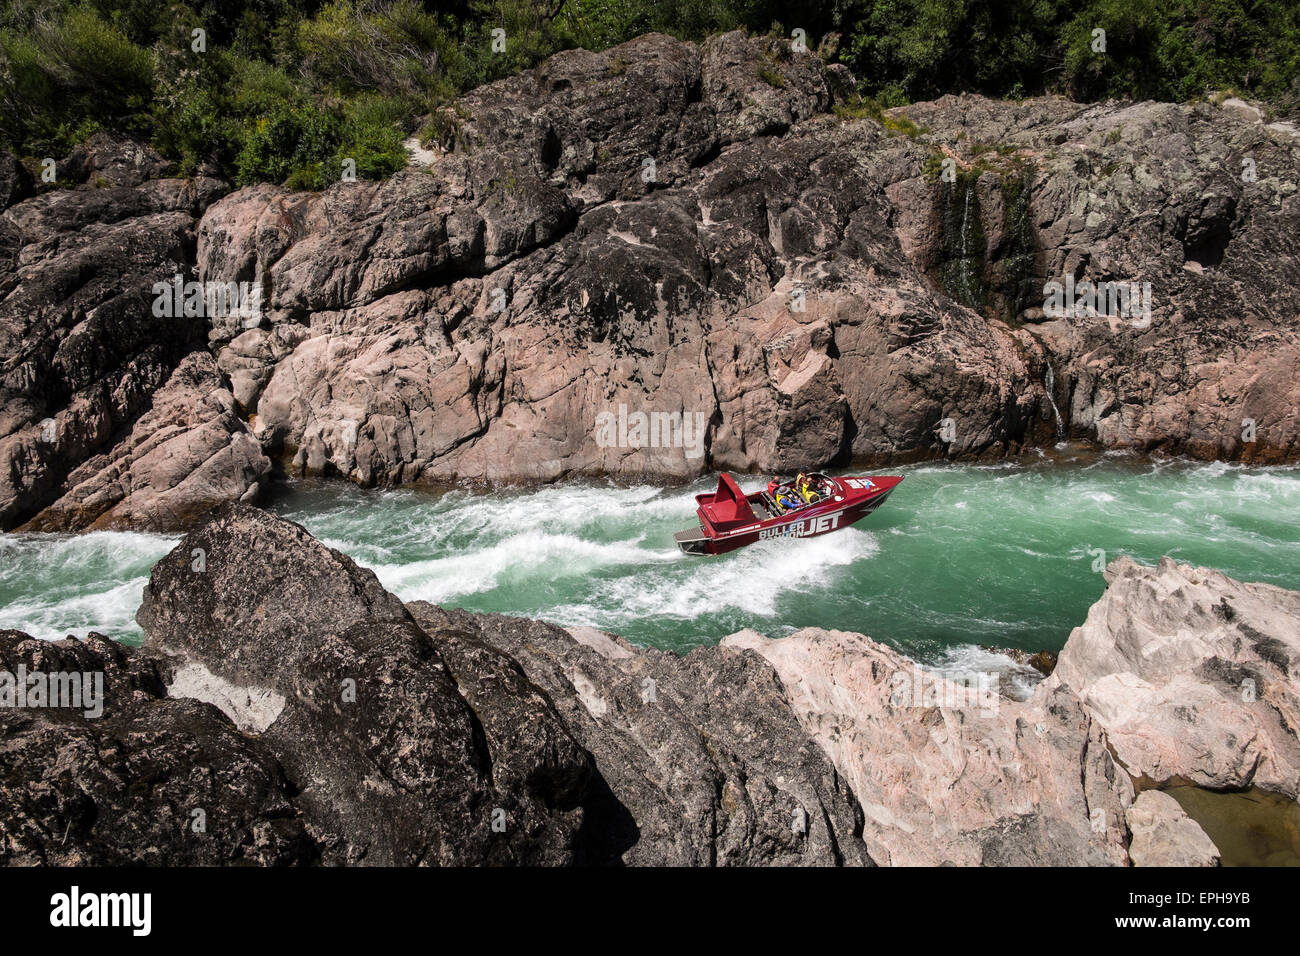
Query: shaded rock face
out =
(1193, 676)
(944, 779)
(704, 757)
(661, 228)
(81, 352)
(152, 781)
(316, 719)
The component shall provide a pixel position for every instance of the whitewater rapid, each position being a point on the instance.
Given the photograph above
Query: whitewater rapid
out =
(961, 557)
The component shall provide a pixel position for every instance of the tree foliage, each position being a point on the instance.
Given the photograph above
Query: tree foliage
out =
(284, 90)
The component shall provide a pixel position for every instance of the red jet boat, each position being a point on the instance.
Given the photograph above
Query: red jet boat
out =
(730, 519)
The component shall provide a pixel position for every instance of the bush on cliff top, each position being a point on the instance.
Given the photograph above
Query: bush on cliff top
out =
(287, 89)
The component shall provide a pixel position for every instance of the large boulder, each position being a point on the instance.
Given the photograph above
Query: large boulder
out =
(392, 764)
(952, 773)
(1192, 674)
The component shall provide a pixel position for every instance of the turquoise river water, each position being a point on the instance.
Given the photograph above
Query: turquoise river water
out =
(961, 555)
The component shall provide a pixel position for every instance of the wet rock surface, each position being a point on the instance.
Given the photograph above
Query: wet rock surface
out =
(708, 232)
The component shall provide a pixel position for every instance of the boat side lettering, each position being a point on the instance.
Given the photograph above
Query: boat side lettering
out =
(803, 529)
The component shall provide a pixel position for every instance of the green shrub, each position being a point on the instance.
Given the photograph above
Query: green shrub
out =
(350, 76)
(68, 75)
(295, 141)
(866, 107)
(352, 46)
(372, 134)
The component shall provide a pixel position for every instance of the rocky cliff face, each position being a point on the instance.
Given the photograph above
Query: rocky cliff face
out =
(108, 415)
(705, 232)
(286, 709)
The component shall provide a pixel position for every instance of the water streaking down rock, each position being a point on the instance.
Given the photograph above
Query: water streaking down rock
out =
(802, 280)
(315, 718)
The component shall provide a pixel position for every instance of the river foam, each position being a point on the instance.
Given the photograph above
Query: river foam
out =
(962, 556)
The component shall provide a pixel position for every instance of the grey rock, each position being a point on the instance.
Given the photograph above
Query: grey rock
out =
(702, 752)
(186, 456)
(1162, 834)
(152, 781)
(83, 352)
(1193, 676)
(392, 764)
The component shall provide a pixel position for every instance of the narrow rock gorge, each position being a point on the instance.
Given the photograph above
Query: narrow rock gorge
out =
(716, 230)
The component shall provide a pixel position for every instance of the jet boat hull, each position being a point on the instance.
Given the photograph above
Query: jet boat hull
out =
(726, 524)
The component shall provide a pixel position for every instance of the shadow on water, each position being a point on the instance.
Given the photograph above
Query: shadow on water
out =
(1250, 827)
